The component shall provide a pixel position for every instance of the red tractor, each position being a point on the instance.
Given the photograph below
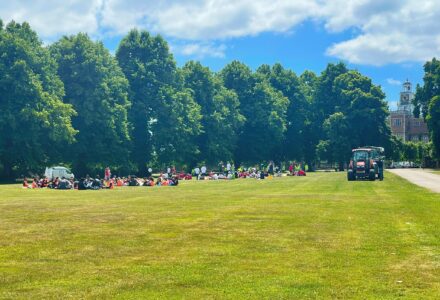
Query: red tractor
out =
(366, 163)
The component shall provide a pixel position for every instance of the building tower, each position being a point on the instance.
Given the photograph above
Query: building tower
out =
(406, 98)
(402, 121)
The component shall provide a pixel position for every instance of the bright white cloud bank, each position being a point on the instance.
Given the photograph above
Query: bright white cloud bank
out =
(390, 31)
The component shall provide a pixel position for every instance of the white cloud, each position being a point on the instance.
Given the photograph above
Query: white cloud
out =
(393, 81)
(52, 18)
(200, 50)
(392, 31)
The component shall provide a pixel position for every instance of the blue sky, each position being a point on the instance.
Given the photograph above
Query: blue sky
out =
(386, 40)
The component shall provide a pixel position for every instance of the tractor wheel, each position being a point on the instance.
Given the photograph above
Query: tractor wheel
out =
(350, 176)
(372, 176)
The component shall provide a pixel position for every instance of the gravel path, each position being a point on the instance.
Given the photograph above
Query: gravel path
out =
(420, 177)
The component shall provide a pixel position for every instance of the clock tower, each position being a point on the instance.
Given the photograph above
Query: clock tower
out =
(406, 98)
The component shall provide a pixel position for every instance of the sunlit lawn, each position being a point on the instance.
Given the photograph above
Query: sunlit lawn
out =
(313, 237)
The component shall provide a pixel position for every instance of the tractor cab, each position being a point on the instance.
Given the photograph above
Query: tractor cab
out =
(366, 163)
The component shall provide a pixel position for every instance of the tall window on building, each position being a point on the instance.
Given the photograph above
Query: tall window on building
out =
(397, 122)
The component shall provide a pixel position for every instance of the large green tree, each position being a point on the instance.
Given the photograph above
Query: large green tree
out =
(286, 81)
(157, 92)
(433, 120)
(324, 102)
(98, 90)
(265, 111)
(311, 130)
(176, 127)
(364, 105)
(148, 66)
(337, 145)
(221, 118)
(34, 122)
(427, 101)
(359, 119)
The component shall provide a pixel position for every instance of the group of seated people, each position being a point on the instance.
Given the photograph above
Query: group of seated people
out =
(297, 169)
(162, 180)
(96, 184)
(89, 183)
(240, 173)
(169, 178)
(251, 172)
(56, 183)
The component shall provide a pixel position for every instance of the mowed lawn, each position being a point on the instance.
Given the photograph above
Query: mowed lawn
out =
(313, 237)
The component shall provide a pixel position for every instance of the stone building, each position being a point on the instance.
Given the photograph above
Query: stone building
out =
(402, 121)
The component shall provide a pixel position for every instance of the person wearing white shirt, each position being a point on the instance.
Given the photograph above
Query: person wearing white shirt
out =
(197, 172)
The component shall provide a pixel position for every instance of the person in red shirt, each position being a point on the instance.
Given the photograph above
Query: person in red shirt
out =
(34, 183)
(25, 183)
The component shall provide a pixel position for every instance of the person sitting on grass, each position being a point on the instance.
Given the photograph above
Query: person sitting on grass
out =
(26, 184)
(82, 184)
(64, 184)
(51, 184)
(132, 181)
(96, 184)
(34, 183)
(43, 182)
(301, 173)
(174, 181)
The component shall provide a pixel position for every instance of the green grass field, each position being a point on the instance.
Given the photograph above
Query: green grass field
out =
(312, 237)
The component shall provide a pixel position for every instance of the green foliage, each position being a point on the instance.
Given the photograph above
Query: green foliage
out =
(364, 105)
(433, 120)
(139, 109)
(176, 127)
(430, 88)
(221, 118)
(360, 117)
(337, 146)
(394, 151)
(34, 121)
(165, 117)
(265, 111)
(427, 101)
(297, 115)
(149, 67)
(98, 90)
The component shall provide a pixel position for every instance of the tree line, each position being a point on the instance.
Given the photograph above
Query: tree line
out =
(75, 103)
